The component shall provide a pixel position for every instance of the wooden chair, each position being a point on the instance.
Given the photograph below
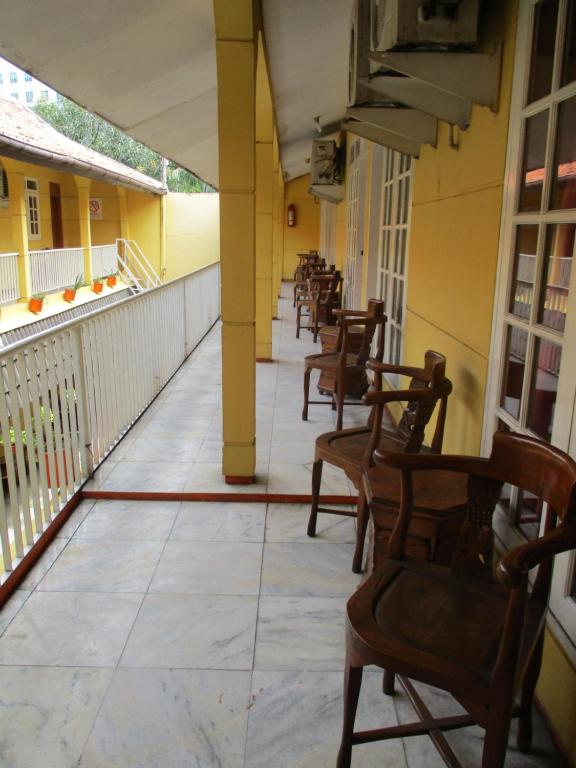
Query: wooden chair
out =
(344, 364)
(305, 272)
(352, 449)
(321, 298)
(461, 629)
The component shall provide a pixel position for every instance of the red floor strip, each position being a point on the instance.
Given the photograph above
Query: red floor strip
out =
(262, 498)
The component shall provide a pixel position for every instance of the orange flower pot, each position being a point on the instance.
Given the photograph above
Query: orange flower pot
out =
(111, 281)
(69, 295)
(35, 305)
(98, 287)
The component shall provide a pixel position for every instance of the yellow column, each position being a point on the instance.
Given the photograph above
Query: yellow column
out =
(123, 207)
(264, 206)
(236, 66)
(19, 222)
(276, 273)
(282, 220)
(83, 191)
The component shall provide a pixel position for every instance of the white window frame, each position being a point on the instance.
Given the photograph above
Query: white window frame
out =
(394, 236)
(355, 200)
(562, 605)
(32, 195)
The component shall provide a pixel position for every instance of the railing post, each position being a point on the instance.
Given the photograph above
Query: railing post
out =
(83, 409)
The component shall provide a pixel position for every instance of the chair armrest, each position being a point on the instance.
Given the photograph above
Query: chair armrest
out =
(381, 397)
(415, 462)
(513, 567)
(404, 370)
(350, 313)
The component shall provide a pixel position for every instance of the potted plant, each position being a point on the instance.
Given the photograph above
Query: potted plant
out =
(36, 303)
(70, 292)
(111, 278)
(98, 284)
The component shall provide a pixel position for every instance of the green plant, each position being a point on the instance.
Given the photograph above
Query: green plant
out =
(78, 282)
(113, 273)
(39, 296)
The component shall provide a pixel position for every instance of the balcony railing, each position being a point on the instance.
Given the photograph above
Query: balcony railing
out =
(104, 259)
(56, 268)
(9, 289)
(69, 394)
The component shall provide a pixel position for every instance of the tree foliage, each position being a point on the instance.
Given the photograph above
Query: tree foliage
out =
(94, 132)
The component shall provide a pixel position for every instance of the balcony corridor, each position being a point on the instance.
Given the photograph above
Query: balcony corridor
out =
(179, 634)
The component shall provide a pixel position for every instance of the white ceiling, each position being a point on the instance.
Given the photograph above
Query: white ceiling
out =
(149, 67)
(307, 42)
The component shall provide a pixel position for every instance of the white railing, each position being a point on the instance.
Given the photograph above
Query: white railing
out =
(104, 260)
(9, 288)
(69, 395)
(53, 269)
(136, 266)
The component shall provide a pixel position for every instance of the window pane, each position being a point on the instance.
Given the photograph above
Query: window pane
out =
(522, 289)
(557, 268)
(529, 514)
(516, 343)
(533, 162)
(564, 183)
(544, 387)
(542, 60)
(569, 63)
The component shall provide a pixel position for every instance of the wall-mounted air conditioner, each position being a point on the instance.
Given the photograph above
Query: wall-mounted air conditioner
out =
(325, 162)
(423, 24)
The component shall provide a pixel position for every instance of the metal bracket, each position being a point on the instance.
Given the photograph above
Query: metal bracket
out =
(422, 96)
(384, 138)
(409, 123)
(473, 76)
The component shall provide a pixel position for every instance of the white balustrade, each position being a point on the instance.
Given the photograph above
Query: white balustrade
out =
(69, 394)
(51, 270)
(9, 288)
(104, 260)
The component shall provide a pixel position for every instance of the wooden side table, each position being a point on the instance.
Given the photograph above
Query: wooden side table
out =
(440, 507)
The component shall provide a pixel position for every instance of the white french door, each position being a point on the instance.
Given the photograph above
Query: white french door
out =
(355, 225)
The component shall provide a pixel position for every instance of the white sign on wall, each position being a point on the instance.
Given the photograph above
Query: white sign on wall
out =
(95, 205)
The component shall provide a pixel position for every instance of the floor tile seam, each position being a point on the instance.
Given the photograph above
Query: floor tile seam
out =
(30, 592)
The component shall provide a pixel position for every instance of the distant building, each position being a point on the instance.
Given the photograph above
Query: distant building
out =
(19, 85)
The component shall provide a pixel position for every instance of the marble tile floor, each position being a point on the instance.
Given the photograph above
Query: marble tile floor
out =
(180, 634)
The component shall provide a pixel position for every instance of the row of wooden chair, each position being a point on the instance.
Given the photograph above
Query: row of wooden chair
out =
(435, 609)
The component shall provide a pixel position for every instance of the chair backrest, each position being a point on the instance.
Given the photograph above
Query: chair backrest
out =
(375, 309)
(417, 414)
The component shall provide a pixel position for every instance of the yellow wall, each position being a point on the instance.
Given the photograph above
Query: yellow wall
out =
(144, 221)
(453, 250)
(192, 232)
(305, 236)
(104, 231)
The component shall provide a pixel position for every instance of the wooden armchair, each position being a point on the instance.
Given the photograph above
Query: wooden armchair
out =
(352, 449)
(476, 635)
(344, 365)
(302, 275)
(321, 298)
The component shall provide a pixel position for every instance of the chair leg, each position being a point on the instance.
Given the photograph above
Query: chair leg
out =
(352, 683)
(316, 481)
(340, 392)
(298, 318)
(496, 738)
(388, 682)
(362, 516)
(524, 737)
(307, 373)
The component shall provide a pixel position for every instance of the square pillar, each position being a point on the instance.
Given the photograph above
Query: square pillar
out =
(19, 222)
(83, 193)
(236, 69)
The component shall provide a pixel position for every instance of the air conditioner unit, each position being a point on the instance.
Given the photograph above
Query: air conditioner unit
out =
(426, 24)
(325, 162)
(359, 53)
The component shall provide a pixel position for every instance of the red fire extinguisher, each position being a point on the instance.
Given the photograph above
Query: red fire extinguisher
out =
(291, 215)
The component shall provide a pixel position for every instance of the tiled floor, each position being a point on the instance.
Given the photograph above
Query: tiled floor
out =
(172, 635)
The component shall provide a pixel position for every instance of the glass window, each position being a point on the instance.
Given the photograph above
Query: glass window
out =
(43, 96)
(564, 182)
(543, 44)
(522, 289)
(569, 63)
(13, 77)
(28, 78)
(543, 387)
(516, 344)
(1, 79)
(536, 128)
(556, 275)
(33, 209)
(29, 97)
(15, 96)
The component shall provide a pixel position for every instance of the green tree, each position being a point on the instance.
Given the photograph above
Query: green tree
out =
(94, 132)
